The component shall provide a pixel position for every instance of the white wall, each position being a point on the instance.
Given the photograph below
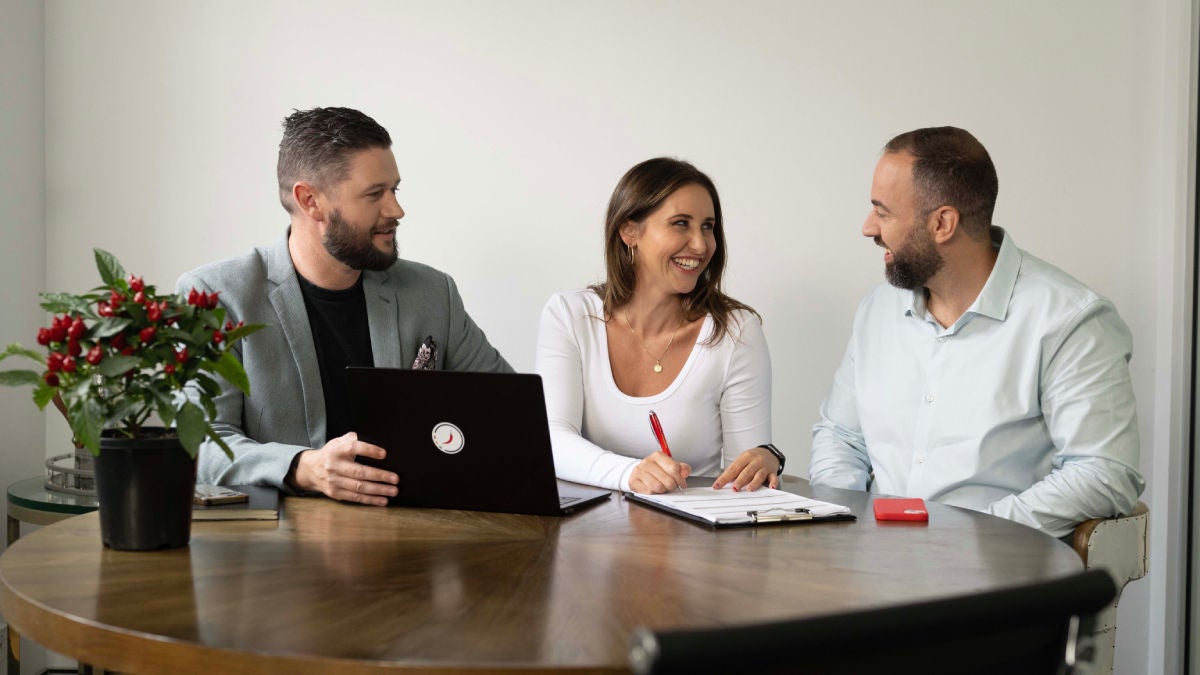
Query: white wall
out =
(513, 121)
(22, 227)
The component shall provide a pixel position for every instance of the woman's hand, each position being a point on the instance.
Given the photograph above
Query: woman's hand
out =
(658, 474)
(750, 470)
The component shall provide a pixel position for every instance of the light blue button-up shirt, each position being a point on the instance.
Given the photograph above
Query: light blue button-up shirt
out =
(1023, 408)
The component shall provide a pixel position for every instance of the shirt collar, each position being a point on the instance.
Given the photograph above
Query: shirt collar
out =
(993, 299)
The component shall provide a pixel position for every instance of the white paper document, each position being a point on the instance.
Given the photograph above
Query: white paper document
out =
(726, 507)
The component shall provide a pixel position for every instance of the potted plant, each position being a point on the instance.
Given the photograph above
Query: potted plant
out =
(115, 357)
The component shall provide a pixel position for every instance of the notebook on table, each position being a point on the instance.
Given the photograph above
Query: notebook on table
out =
(473, 441)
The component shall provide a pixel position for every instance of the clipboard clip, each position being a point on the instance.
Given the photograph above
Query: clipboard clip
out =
(778, 515)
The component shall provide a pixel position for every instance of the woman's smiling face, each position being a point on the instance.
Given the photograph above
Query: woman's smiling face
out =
(674, 244)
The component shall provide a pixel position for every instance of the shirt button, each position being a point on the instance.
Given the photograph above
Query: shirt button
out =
(929, 398)
(942, 339)
(921, 459)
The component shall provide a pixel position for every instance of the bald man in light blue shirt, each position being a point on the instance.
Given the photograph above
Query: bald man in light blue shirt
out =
(981, 376)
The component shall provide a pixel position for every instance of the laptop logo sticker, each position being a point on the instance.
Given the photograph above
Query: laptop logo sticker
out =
(448, 438)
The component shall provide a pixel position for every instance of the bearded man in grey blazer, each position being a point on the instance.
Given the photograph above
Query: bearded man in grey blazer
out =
(332, 293)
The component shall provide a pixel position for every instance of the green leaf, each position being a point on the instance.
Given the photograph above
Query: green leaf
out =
(108, 327)
(19, 378)
(77, 390)
(86, 423)
(161, 396)
(17, 350)
(110, 269)
(114, 366)
(201, 334)
(221, 442)
(166, 413)
(65, 303)
(231, 369)
(210, 408)
(241, 332)
(192, 426)
(125, 410)
(164, 405)
(211, 387)
(178, 335)
(43, 395)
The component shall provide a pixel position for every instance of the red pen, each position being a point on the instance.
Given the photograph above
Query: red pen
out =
(658, 433)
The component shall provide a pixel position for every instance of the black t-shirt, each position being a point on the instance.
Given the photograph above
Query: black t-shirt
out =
(342, 338)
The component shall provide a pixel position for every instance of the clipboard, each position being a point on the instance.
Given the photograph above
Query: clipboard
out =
(725, 508)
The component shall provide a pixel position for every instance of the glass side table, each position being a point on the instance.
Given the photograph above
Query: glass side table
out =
(30, 502)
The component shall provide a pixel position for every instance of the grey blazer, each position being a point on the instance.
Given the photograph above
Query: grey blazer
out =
(285, 412)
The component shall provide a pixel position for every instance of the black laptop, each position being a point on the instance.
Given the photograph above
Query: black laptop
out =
(475, 441)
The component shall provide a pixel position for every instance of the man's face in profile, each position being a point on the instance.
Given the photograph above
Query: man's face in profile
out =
(896, 223)
(361, 228)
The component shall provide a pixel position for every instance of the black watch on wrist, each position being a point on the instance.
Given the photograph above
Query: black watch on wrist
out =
(778, 455)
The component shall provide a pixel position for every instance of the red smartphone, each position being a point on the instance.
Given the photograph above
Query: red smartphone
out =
(900, 509)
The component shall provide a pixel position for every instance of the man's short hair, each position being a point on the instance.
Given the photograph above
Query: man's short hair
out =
(951, 168)
(317, 145)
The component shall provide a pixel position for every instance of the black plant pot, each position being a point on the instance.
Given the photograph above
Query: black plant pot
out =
(145, 488)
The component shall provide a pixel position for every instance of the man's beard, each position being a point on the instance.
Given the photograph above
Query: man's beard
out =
(358, 251)
(915, 263)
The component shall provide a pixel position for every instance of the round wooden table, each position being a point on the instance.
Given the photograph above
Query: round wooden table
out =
(332, 587)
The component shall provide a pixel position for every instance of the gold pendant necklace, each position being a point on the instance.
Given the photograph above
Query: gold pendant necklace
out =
(657, 360)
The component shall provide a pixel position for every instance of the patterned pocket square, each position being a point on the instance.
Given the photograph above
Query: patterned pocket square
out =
(426, 355)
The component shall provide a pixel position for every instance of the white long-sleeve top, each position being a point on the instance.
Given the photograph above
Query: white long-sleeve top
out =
(718, 406)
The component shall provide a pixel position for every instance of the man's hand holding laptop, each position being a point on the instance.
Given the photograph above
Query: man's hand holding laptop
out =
(332, 471)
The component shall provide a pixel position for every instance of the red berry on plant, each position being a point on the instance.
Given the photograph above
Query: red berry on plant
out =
(181, 355)
(218, 337)
(153, 313)
(228, 326)
(147, 334)
(54, 362)
(51, 379)
(77, 329)
(115, 298)
(74, 348)
(128, 351)
(193, 297)
(43, 337)
(169, 369)
(118, 341)
(104, 309)
(94, 355)
(136, 284)
(212, 300)
(139, 298)
(68, 364)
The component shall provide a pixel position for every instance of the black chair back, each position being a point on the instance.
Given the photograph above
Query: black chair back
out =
(1027, 630)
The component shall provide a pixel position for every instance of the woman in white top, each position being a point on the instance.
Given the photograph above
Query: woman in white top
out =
(659, 335)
